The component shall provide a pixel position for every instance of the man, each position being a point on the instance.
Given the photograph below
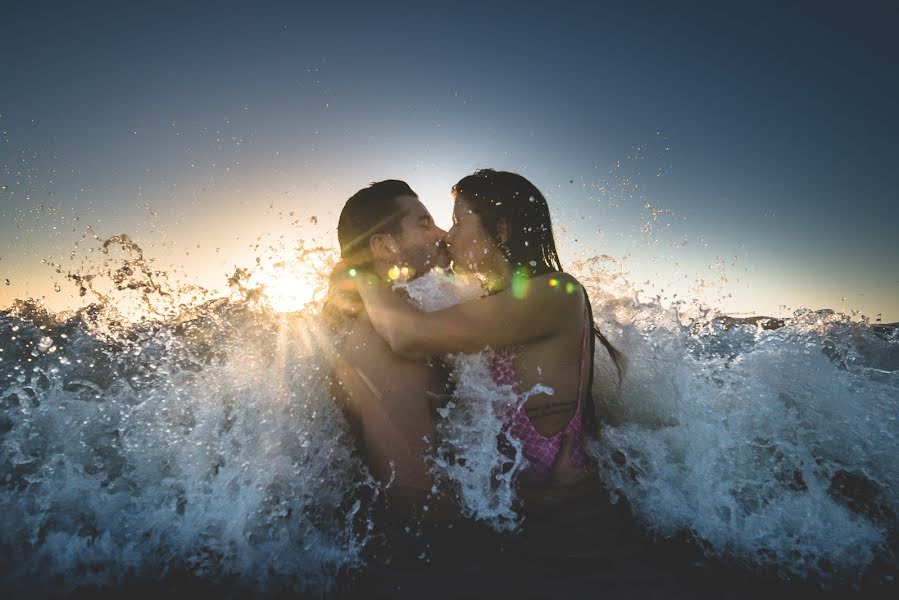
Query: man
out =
(384, 229)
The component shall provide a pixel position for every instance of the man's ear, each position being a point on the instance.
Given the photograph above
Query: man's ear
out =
(502, 230)
(383, 246)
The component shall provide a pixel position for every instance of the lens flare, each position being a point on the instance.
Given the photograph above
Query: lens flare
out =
(288, 294)
(289, 285)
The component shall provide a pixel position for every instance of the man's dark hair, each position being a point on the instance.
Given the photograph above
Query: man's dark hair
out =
(369, 211)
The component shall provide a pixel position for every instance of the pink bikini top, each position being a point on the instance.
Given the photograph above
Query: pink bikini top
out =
(541, 450)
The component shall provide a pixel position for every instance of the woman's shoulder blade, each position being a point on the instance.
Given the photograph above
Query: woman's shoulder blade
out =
(560, 285)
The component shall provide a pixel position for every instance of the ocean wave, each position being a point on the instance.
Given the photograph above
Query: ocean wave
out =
(205, 440)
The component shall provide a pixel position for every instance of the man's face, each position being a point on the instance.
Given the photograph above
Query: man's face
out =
(421, 243)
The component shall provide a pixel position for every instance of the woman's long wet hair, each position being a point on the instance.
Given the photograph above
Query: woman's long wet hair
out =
(496, 196)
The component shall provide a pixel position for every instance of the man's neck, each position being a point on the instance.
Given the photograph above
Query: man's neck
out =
(392, 273)
(382, 269)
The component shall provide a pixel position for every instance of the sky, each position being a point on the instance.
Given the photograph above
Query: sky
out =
(740, 155)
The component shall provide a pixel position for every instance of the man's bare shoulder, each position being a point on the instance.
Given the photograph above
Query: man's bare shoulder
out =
(361, 340)
(367, 352)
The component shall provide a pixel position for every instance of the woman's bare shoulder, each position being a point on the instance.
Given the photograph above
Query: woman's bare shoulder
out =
(558, 289)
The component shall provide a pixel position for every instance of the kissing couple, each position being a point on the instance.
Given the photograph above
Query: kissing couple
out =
(534, 319)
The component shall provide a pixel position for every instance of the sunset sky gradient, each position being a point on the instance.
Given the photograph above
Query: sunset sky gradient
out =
(688, 140)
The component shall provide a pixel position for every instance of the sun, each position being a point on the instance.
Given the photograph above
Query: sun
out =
(288, 294)
(289, 285)
(292, 280)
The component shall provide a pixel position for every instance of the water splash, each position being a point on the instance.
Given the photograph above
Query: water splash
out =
(474, 455)
(768, 441)
(208, 444)
(203, 437)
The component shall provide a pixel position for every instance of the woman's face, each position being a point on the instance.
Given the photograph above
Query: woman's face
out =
(470, 245)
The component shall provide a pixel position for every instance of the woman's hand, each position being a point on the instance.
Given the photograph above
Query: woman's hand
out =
(395, 320)
(343, 298)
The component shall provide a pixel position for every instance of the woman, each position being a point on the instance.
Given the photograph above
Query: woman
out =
(536, 316)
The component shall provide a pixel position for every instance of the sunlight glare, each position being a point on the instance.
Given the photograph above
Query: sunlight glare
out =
(288, 286)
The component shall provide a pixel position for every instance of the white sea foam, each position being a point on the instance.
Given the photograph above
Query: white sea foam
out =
(771, 446)
(468, 455)
(210, 447)
(209, 443)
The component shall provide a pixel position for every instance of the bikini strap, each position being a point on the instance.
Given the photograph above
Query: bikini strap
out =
(585, 358)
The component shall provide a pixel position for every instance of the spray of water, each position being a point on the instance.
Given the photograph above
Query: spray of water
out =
(200, 436)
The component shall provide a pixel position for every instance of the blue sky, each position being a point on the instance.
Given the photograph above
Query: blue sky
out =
(765, 131)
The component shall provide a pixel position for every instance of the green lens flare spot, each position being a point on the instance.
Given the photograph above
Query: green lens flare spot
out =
(520, 283)
(353, 272)
(570, 287)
